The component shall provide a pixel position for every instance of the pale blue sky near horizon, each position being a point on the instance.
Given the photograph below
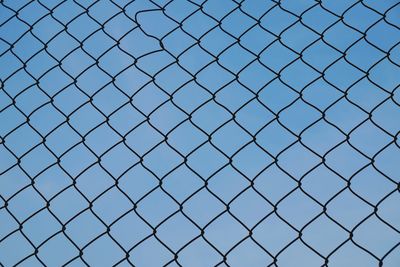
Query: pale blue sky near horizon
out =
(247, 98)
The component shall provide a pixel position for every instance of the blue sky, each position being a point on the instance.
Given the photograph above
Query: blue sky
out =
(129, 128)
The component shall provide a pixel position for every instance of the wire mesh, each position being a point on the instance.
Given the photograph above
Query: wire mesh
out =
(199, 133)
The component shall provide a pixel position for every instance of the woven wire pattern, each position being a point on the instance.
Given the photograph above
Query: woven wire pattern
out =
(199, 133)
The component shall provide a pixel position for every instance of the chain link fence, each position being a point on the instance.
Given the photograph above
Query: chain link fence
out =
(200, 133)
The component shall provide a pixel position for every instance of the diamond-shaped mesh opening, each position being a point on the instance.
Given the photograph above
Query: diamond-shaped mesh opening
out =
(200, 133)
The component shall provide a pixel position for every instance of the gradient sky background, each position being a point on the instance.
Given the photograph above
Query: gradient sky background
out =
(155, 96)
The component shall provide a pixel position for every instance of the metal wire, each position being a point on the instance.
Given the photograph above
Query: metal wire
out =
(203, 38)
